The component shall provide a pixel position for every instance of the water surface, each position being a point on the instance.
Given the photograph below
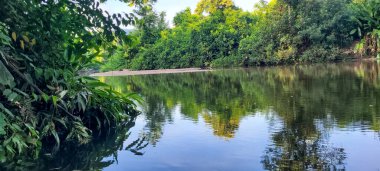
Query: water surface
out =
(305, 117)
(291, 117)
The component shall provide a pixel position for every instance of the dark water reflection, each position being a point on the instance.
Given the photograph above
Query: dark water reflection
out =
(308, 117)
(324, 117)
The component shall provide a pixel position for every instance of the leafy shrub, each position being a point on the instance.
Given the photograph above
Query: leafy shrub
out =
(44, 45)
(228, 61)
(318, 54)
(117, 61)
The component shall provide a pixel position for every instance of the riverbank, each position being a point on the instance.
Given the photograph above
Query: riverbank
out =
(149, 72)
(127, 72)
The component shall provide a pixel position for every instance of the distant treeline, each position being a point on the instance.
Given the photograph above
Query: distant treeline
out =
(219, 34)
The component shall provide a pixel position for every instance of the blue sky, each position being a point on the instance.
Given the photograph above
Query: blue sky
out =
(171, 7)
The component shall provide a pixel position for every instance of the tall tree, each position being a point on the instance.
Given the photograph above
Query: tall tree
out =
(150, 24)
(211, 6)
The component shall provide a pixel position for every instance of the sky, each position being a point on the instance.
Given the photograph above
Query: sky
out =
(171, 7)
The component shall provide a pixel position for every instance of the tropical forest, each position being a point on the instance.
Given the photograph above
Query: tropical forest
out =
(189, 85)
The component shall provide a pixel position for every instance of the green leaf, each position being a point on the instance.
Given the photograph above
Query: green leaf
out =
(62, 94)
(55, 135)
(353, 31)
(135, 97)
(50, 87)
(359, 32)
(97, 84)
(14, 36)
(21, 92)
(35, 97)
(5, 39)
(10, 149)
(45, 97)
(81, 103)
(32, 130)
(16, 127)
(2, 124)
(7, 92)
(12, 96)
(6, 111)
(6, 78)
(54, 99)
(26, 57)
(61, 121)
(46, 129)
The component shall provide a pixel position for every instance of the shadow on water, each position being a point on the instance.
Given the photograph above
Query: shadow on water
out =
(100, 153)
(311, 101)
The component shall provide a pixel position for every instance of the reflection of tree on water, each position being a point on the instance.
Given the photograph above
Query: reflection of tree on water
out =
(336, 94)
(193, 93)
(224, 124)
(300, 145)
(156, 115)
(227, 96)
(332, 94)
(92, 156)
(298, 153)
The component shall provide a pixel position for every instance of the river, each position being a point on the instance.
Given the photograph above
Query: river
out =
(302, 117)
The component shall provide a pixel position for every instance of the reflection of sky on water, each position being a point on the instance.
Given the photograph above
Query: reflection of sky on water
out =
(189, 145)
(362, 148)
(321, 117)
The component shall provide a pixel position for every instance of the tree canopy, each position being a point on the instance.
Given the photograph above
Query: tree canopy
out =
(219, 34)
(211, 6)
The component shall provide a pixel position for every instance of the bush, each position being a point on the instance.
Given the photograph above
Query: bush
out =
(43, 47)
(319, 53)
(228, 61)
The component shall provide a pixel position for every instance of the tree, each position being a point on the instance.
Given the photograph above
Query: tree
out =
(211, 6)
(291, 31)
(150, 25)
(367, 18)
(275, 32)
(185, 18)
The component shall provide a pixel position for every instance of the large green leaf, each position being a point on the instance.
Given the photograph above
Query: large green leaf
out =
(6, 77)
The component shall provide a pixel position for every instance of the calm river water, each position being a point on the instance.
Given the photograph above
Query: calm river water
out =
(305, 117)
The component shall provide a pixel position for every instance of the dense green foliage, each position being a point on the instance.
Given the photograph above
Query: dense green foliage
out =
(149, 28)
(367, 19)
(299, 31)
(197, 40)
(44, 46)
(219, 34)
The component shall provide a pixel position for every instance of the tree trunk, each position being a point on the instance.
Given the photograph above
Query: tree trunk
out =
(367, 45)
(376, 41)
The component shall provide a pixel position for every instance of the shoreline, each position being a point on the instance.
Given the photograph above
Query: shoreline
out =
(127, 72)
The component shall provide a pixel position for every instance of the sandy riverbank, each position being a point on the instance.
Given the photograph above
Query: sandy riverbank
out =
(149, 72)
